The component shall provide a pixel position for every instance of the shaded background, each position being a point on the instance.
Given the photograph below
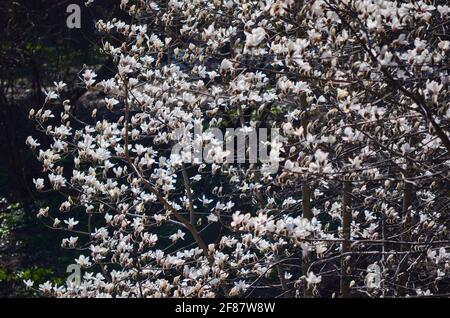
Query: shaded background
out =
(36, 49)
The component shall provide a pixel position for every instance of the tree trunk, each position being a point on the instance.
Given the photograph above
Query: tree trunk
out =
(346, 221)
(306, 192)
(405, 228)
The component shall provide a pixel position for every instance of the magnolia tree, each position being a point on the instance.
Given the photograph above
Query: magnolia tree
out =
(257, 148)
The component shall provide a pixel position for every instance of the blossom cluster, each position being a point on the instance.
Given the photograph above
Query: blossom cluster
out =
(359, 90)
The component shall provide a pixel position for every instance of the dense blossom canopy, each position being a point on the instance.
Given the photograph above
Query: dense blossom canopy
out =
(358, 203)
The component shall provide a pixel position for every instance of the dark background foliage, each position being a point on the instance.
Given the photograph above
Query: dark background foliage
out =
(36, 48)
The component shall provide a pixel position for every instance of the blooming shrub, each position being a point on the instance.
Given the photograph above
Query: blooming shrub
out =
(359, 202)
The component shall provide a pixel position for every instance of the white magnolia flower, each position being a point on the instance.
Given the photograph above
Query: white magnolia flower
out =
(32, 142)
(213, 218)
(39, 183)
(51, 95)
(28, 283)
(89, 77)
(312, 280)
(239, 288)
(111, 102)
(83, 261)
(71, 223)
(59, 85)
(43, 212)
(226, 66)
(176, 236)
(254, 38)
